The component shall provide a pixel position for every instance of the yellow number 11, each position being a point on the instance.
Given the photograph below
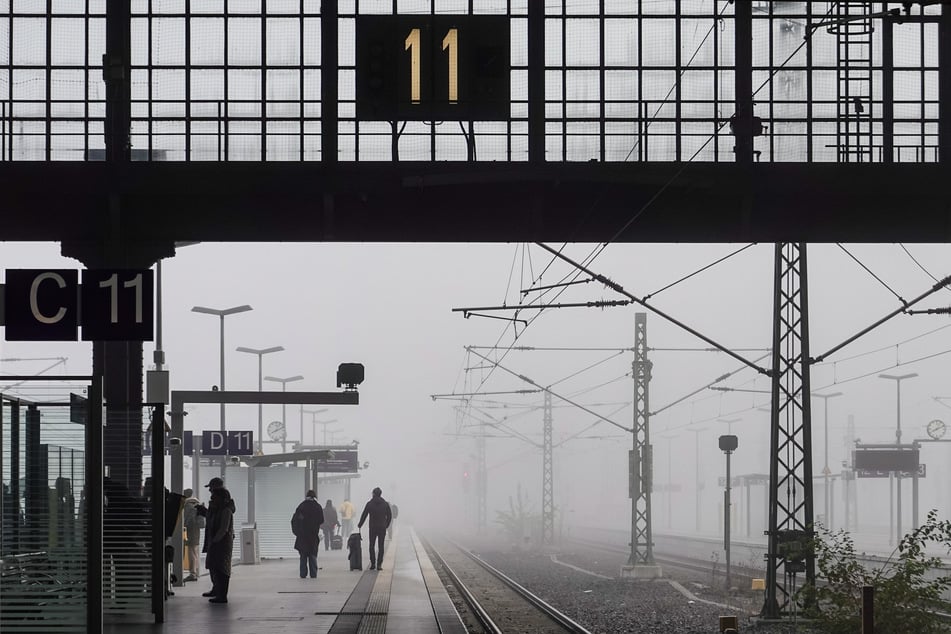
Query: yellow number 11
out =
(450, 43)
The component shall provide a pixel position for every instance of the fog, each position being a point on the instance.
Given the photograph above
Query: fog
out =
(388, 306)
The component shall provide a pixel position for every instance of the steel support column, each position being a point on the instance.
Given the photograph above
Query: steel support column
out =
(642, 547)
(548, 503)
(481, 481)
(790, 470)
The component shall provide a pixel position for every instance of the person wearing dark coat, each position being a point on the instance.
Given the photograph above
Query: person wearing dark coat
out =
(378, 511)
(219, 543)
(305, 524)
(213, 485)
(330, 523)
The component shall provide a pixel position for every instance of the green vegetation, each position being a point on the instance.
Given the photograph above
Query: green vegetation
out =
(908, 589)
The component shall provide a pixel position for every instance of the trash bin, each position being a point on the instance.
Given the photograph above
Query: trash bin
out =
(249, 545)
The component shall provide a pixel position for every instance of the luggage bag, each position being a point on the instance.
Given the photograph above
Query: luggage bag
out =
(355, 554)
(336, 542)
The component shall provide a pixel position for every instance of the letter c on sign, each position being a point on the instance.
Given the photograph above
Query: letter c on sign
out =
(40, 317)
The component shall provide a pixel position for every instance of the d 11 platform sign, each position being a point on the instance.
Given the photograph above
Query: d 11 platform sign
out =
(230, 443)
(342, 462)
(44, 305)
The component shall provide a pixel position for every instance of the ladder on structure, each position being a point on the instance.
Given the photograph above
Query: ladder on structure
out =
(852, 26)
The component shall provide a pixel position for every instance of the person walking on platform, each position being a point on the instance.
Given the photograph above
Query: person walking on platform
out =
(346, 517)
(330, 523)
(378, 511)
(305, 524)
(193, 523)
(395, 512)
(219, 543)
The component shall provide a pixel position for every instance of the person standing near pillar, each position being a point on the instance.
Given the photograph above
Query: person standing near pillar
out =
(378, 511)
(346, 517)
(193, 523)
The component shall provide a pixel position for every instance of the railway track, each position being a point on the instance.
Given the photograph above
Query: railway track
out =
(690, 564)
(513, 607)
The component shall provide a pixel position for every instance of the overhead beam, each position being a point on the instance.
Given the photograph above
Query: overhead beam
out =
(491, 202)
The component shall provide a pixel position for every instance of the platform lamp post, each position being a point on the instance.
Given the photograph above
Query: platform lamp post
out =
(284, 382)
(897, 508)
(325, 423)
(260, 352)
(670, 492)
(826, 472)
(728, 444)
(313, 421)
(698, 485)
(221, 314)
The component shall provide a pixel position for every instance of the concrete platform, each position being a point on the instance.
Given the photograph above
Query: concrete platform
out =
(405, 597)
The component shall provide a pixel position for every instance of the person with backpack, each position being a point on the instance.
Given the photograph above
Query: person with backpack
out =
(330, 523)
(193, 523)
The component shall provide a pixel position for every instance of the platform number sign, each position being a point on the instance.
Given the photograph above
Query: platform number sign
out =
(433, 68)
(117, 305)
(51, 305)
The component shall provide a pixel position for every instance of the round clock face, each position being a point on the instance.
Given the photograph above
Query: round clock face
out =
(936, 429)
(276, 431)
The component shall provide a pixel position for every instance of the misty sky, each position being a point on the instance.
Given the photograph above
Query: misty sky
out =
(388, 306)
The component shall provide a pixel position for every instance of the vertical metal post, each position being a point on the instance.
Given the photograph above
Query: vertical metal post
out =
(914, 489)
(891, 508)
(221, 416)
(726, 519)
(260, 413)
(888, 90)
(642, 464)
(698, 483)
(93, 519)
(898, 533)
(536, 82)
(743, 122)
(868, 610)
(748, 506)
(177, 462)
(157, 494)
(481, 482)
(548, 504)
(790, 470)
(328, 85)
(944, 86)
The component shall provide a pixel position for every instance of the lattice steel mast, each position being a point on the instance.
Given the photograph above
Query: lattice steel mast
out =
(481, 481)
(641, 464)
(790, 471)
(548, 499)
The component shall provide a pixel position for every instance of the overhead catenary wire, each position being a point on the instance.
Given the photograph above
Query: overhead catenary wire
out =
(619, 289)
(915, 260)
(869, 271)
(698, 271)
(555, 394)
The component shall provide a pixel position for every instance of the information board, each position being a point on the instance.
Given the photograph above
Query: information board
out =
(433, 68)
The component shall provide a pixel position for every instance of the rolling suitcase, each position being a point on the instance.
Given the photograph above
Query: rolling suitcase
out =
(355, 548)
(336, 541)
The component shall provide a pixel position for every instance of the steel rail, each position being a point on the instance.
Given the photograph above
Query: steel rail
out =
(480, 613)
(558, 617)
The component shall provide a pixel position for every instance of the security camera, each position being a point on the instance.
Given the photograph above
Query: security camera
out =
(175, 441)
(235, 460)
(214, 388)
